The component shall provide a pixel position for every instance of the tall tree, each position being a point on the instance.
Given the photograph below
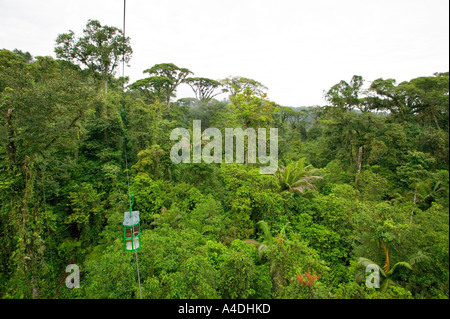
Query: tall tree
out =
(99, 49)
(169, 71)
(237, 84)
(423, 98)
(154, 88)
(346, 96)
(203, 88)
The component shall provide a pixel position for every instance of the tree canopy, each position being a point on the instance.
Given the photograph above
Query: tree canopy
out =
(361, 181)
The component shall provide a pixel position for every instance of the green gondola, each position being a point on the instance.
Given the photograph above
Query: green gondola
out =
(131, 231)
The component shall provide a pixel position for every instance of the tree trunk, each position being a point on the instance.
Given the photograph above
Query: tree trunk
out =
(105, 84)
(246, 154)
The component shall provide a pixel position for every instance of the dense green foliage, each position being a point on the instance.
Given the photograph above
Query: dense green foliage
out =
(363, 179)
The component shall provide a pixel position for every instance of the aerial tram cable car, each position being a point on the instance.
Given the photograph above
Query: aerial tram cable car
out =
(131, 229)
(131, 222)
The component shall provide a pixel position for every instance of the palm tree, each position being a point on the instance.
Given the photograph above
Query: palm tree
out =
(267, 235)
(275, 269)
(388, 273)
(296, 177)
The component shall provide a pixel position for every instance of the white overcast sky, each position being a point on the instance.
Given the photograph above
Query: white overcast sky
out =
(296, 48)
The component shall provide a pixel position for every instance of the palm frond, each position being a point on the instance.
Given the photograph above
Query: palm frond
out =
(364, 262)
(417, 257)
(385, 285)
(266, 231)
(310, 178)
(400, 263)
(296, 177)
(360, 276)
(252, 242)
(300, 189)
